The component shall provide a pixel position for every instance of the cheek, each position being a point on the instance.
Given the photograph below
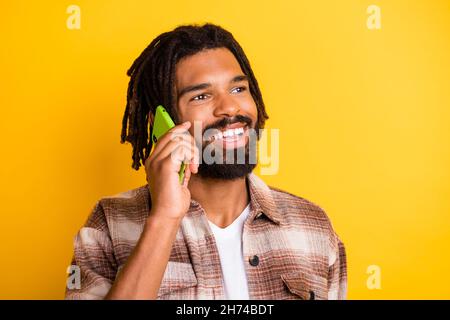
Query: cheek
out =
(197, 116)
(182, 114)
(187, 115)
(250, 108)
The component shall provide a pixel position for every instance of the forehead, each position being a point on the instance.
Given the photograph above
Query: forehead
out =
(209, 65)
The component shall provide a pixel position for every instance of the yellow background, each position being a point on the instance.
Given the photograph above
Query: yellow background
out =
(363, 118)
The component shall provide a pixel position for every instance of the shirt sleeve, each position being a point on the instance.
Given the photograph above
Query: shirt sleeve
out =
(337, 273)
(93, 266)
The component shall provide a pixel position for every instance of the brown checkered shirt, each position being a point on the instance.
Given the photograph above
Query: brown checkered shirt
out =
(290, 248)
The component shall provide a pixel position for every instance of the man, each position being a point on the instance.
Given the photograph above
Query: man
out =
(221, 233)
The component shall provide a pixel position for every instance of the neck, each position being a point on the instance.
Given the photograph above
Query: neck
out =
(222, 200)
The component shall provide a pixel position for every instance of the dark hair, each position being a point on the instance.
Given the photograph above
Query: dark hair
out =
(152, 77)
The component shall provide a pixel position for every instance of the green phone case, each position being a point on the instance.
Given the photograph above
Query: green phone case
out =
(163, 123)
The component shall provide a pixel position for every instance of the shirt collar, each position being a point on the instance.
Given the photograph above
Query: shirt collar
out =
(261, 200)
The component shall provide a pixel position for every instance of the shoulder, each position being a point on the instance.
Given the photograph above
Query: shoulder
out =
(309, 219)
(131, 205)
(297, 210)
(134, 198)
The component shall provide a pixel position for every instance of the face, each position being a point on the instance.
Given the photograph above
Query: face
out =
(213, 91)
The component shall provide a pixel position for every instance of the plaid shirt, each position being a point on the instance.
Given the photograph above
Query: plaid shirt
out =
(289, 246)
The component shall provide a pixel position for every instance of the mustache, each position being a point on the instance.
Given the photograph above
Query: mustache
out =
(222, 123)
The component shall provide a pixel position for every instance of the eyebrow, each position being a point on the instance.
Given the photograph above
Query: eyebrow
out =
(205, 85)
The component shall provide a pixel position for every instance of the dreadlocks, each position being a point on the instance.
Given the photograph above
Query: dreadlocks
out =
(152, 77)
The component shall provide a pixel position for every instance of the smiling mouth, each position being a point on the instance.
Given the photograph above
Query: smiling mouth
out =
(229, 134)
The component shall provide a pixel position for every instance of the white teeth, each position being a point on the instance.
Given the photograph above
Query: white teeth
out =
(228, 133)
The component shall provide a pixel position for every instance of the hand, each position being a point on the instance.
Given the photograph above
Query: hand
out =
(170, 199)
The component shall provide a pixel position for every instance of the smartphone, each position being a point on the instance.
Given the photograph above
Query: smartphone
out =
(161, 124)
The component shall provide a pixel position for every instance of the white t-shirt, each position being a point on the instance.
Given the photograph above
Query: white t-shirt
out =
(229, 245)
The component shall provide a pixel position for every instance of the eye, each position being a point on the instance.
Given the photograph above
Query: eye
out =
(200, 97)
(239, 89)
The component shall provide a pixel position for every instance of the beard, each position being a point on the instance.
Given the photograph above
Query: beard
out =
(219, 162)
(227, 170)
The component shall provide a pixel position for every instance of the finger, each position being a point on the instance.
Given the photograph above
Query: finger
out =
(173, 161)
(187, 177)
(192, 168)
(177, 139)
(172, 147)
(179, 133)
(195, 161)
(180, 128)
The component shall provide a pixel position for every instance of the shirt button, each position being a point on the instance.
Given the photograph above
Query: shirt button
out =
(254, 261)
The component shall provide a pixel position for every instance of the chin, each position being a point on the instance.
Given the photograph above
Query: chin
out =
(225, 171)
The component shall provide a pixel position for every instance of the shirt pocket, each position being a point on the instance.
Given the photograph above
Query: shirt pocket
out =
(305, 286)
(178, 276)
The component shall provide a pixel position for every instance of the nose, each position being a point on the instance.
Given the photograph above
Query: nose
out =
(226, 106)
